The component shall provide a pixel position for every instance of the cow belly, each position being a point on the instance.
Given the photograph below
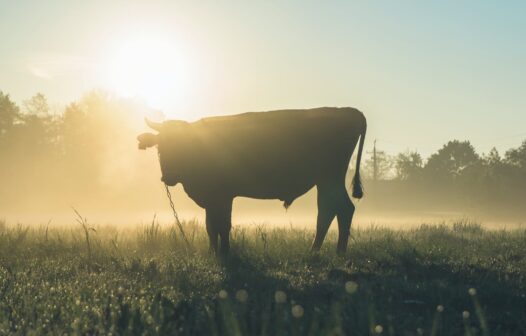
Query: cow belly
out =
(279, 186)
(285, 178)
(272, 191)
(205, 194)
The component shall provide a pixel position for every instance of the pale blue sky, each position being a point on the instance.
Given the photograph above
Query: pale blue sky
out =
(422, 72)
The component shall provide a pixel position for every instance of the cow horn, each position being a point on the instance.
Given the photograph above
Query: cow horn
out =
(153, 125)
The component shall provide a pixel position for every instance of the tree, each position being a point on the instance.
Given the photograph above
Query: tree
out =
(380, 162)
(451, 160)
(517, 156)
(73, 130)
(9, 113)
(492, 158)
(408, 165)
(39, 127)
(37, 106)
(495, 167)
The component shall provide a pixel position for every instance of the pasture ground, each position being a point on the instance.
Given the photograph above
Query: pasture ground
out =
(432, 280)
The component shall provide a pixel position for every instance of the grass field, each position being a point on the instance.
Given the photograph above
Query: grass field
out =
(433, 280)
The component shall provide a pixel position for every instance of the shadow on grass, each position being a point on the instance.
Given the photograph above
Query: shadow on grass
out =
(400, 290)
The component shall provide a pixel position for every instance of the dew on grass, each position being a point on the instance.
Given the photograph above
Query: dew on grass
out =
(223, 294)
(351, 287)
(297, 311)
(241, 295)
(280, 296)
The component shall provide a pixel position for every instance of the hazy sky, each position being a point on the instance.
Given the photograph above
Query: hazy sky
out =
(422, 72)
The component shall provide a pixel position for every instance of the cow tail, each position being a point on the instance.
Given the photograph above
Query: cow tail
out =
(357, 187)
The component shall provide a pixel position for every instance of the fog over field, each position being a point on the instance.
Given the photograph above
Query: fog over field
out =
(85, 156)
(443, 99)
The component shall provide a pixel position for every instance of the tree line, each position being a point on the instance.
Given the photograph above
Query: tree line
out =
(87, 150)
(80, 152)
(454, 178)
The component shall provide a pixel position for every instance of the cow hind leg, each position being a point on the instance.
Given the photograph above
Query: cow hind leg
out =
(345, 214)
(326, 213)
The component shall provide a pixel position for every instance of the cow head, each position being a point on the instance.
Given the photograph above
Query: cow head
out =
(147, 140)
(166, 142)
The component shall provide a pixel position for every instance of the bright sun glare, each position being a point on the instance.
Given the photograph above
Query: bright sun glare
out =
(148, 67)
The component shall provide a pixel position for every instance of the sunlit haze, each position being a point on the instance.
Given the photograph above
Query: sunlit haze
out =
(422, 73)
(149, 67)
(454, 69)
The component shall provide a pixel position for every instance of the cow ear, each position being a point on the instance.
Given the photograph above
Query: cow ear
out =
(147, 140)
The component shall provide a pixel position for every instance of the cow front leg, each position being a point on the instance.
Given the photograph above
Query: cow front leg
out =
(219, 222)
(224, 236)
(212, 232)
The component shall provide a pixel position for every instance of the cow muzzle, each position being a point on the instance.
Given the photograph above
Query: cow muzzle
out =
(169, 181)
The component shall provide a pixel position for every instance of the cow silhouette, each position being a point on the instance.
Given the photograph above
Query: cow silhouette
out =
(264, 155)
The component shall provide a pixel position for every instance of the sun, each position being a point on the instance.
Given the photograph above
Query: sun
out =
(148, 67)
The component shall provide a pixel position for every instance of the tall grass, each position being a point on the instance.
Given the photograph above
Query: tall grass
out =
(433, 280)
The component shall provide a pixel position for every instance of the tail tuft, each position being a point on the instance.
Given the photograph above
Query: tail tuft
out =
(357, 187)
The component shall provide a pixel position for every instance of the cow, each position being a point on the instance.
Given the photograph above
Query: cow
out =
(264, 155)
